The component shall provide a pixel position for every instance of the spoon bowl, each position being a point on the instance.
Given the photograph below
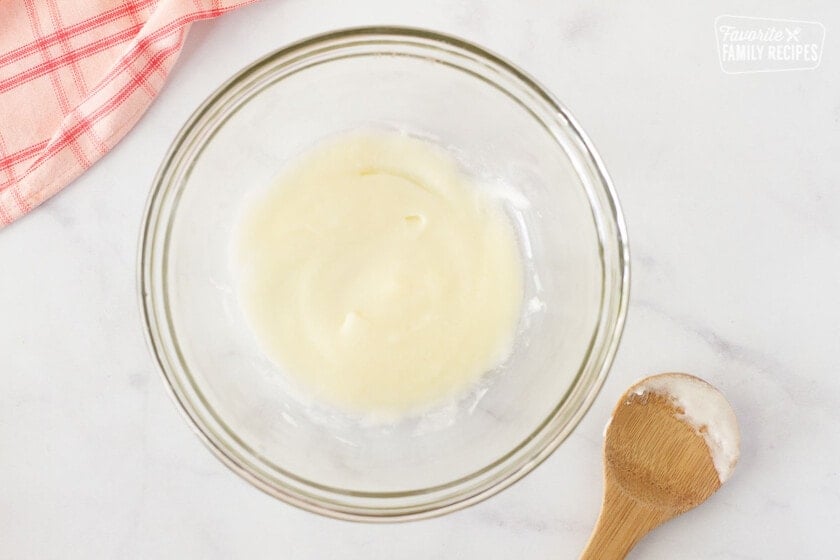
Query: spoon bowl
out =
(658, 462)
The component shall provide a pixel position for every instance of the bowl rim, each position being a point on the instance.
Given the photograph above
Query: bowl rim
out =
(616, 314)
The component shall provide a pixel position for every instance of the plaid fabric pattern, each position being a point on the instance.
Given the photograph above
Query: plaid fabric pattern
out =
(75, 76)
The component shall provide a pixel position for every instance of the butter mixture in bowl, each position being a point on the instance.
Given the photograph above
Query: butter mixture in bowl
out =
(383, 273)
(377, 275)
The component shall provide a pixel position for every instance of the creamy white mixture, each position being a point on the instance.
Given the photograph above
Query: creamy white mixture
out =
(378, 275)
(707, 411)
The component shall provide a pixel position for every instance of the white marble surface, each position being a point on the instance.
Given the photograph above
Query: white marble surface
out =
(730, 188)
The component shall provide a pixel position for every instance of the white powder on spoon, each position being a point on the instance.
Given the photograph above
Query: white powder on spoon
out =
(706, 410)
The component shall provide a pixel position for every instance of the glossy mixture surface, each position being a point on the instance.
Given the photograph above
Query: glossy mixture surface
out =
(378, 276)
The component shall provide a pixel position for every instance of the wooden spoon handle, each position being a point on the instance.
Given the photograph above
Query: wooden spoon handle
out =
(622, 523)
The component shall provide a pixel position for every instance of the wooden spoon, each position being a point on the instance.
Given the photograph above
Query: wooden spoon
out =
(657, 465)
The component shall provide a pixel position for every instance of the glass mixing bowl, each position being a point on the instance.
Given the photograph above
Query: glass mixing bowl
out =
(505, 130)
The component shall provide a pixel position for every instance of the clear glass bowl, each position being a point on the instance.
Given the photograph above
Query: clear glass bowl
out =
(505, 129)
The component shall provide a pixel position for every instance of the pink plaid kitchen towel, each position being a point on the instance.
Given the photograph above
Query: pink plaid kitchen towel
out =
(75, 75)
